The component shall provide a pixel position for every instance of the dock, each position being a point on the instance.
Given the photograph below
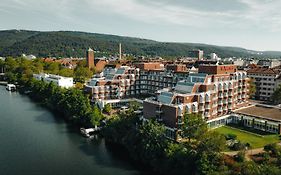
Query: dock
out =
(4, 83)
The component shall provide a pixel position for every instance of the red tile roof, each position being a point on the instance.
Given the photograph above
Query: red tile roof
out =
(267, 71)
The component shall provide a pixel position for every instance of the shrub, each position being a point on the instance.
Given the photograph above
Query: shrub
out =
(238, 146)
(230, 136)
(240, 156)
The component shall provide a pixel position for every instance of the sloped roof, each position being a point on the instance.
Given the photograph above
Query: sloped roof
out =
(264, 71)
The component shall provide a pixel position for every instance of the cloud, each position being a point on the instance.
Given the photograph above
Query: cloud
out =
(240, 14)
(248, 13)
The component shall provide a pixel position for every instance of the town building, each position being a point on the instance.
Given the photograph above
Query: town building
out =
(214, 92)
(138, 80)
(155, 76)
(114, 83)
(64, 82)
(265, 80)
(261, 117)
(269, 63)
(198, 54)
(214, 56)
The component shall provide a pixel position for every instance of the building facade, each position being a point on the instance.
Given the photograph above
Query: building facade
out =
(65, 82)
(114, 83)
(214, 92)
(265, 80)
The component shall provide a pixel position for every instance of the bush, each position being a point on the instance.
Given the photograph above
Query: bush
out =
(273, 148)
(240, 157)
(238, 146)
(230, 136)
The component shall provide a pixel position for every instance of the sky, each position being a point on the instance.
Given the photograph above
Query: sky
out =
(252, 24)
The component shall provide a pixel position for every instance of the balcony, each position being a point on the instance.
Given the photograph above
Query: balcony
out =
(220, 95)
(201, 108)
(194, 110)
(225, 102)
(220, 102)
(201, 99)
(230, 100)
(220, 109)
(208, 107)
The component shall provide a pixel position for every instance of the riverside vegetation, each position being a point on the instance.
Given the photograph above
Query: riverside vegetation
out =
(200, 153)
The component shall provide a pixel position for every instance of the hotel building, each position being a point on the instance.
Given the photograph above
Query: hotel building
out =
(113, 83)
(214, 92)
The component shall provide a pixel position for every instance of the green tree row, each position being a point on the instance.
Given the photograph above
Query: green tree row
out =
(200, 153)
(71, 103)
(21, 69)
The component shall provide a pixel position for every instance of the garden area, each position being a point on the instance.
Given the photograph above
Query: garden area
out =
(247, 138)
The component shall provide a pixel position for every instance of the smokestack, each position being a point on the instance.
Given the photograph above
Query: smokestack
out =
(120, 51)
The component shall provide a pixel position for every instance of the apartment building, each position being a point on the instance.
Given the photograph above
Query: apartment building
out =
(65, 82)
(114, 83)
(214, 92)
(138, 80)
(155, 76)
(265, 80)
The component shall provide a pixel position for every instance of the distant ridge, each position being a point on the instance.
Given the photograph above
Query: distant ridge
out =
(72, 43)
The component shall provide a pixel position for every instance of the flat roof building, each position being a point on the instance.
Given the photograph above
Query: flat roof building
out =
(65, 82)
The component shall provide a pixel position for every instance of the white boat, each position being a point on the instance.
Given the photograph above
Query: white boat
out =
(11, 87)
(89, 131)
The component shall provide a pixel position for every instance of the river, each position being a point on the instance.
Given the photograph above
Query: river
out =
(34, 141)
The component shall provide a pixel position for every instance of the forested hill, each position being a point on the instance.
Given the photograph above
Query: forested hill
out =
(67, 44)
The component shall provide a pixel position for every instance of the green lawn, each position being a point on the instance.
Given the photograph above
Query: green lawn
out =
(246, 137)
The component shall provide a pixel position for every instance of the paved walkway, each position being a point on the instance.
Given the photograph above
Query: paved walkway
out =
(248, 153)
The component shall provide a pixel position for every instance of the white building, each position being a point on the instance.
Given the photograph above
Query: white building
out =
(214, 56)
(65, 82)
(266, 80)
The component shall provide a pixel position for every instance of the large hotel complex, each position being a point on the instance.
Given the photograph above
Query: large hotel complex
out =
(168, 90)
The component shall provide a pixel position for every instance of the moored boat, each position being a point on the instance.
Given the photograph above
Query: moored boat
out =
(11, 87)
(89, 131)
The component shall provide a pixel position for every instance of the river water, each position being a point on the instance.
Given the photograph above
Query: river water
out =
(34, 141)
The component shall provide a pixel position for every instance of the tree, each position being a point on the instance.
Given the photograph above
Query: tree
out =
(252, 88)
(52, 68)
(150, 142)
(107, 108)
(211, 142)
(81, 74)
(194, 126)
(96, 116)
(276, 96)
(66, 72)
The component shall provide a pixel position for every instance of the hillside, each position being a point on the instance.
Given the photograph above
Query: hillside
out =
(66, 44)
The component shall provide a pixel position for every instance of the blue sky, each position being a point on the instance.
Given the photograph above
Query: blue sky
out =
(252, 24)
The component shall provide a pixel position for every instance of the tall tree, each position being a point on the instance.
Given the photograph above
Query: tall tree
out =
(194, 126)
(252, 88)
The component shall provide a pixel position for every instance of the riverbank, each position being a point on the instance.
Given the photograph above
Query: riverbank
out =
(3, 83)
(35, 141)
